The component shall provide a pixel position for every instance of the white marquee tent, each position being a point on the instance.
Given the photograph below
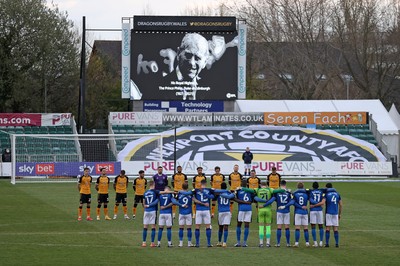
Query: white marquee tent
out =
(388, 124)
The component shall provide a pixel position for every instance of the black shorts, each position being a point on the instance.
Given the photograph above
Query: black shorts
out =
(102, 198)
(85, 198)
(120, 197)
(139, 198)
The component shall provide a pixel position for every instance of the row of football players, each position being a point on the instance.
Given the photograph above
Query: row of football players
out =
(161, 180)
(262, 194)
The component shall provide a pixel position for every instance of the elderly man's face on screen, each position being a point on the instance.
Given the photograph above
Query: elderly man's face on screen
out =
(192, 55)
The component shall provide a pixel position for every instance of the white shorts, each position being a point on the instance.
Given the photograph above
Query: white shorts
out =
(300, 219)
(247, 166)
(282, 218)
(165, 219)
(316, 217)
(224, 218)
(149, 217)
(332, 219)
(203, 217)
(185, 219)
(244, 216)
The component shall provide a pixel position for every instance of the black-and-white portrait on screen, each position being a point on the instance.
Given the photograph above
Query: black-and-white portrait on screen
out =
(185, 66)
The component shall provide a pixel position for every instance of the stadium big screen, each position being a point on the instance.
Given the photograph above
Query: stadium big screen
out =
(184, 58)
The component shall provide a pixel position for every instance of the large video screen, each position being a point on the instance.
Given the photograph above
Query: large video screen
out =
(184, 65)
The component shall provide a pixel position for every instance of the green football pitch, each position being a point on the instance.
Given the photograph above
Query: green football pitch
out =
(38, 226)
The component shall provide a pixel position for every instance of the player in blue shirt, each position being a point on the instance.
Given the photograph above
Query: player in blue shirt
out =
(244, 200)
(333, 211)
(150, 213)
(316, 214)
(184, 201)
(202, 198)
(224, 213)
(165, 218)
(300, 200)
(283, 213)
(160, 179)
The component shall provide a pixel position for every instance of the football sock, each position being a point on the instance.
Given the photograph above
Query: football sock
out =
(213, 209)
(314, 234)
(238, 233)
(220, 234)
(261, 232)
(189, 234)
(125, 209)
(180, 234)
(246, 234)
(327, 236)
(144, 234)
(134, 211)
(278, 235)
(88, 211)
(268, 234)
(197, 235)
(306, 235)
(336, 235)
(115, 209)
(225, 235)
(173, 209)
(106, 211)
(98, 211)
(194, 209)
(321, 233)
(287, 231)
(208, 234)
(169, 234)
(297, 235)
(160, 231)
(231, 207)
(153, 234)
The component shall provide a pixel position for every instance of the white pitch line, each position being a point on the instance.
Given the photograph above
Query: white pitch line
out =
(165, 246)
(173, 231)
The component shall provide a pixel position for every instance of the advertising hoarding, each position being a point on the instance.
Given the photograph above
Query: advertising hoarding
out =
(183, 106)
(318, 118)
(184, 23)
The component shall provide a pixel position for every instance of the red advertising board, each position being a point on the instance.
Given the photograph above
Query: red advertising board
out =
(24, 119)
(20, 119)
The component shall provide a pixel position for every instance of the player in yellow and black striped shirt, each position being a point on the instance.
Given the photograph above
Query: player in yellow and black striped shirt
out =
(177, 181)
(274, 179)
(216, 180)
(235, 180)
(120, 185)
(139, 186)
(102, 184)
(253, 181)
(197, 185)
(84, 184)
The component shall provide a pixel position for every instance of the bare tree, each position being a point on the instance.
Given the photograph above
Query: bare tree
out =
(289, 40)
(367, 31)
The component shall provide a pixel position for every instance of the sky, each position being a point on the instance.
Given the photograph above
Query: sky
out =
(107, 14)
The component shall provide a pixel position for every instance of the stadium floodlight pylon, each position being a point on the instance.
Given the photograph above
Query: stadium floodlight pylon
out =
(30, 152)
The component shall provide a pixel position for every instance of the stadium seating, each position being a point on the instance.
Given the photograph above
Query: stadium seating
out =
(31, 149)
(358, 131)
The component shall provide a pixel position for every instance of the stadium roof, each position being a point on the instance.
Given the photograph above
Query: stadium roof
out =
(379, 113)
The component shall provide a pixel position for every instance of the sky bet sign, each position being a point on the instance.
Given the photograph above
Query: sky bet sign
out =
(66, 169)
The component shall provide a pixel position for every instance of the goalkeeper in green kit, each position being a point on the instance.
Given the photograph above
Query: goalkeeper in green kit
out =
(264, 198)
